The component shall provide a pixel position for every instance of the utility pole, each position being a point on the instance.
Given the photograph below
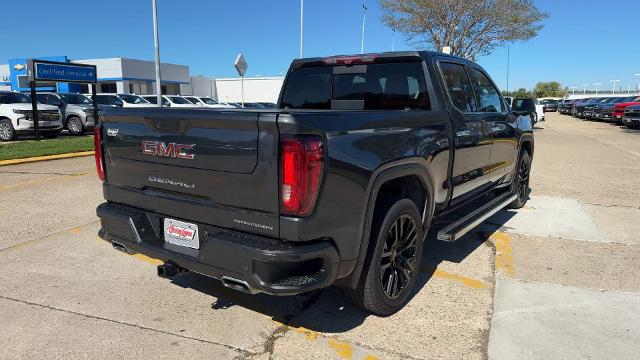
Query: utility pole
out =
(364, 18)
(614, 86)
(156, 42)
(301, 28)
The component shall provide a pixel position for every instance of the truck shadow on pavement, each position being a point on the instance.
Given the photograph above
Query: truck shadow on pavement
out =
(327, 310)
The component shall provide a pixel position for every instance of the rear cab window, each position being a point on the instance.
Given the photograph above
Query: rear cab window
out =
(374, 86)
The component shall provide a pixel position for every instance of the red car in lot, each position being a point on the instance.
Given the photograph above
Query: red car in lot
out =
(618, 109)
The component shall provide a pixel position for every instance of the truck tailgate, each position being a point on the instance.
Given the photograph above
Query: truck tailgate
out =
(210, 166)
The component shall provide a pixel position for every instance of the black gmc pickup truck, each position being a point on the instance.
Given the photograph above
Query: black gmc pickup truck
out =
(338, 185)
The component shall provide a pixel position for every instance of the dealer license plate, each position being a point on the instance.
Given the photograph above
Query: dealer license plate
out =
(181, 233)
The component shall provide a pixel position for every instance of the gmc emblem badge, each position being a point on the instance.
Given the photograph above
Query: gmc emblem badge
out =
(171, 150)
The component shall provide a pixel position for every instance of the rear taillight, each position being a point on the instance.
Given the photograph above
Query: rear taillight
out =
(97, 144)
(301, 167)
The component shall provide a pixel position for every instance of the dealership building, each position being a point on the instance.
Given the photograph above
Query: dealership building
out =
(123, 75)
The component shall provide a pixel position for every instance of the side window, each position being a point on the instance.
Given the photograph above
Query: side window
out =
(41, 98)
(101, 100)
(53, 100)
(459, 86)
(114, 100)
(488, 95)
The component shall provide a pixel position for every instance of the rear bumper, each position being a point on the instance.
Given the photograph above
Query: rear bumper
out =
(263, 264)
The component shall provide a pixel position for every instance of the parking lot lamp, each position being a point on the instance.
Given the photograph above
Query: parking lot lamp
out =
(364, 18)
(156, 43)
(638, 82)
(573, 89)
(584, 89)
(301, 27)
(614, 86)
(597, 85)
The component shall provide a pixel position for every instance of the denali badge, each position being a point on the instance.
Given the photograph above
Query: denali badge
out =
(173, 150)
(179, 183)
(112, 132)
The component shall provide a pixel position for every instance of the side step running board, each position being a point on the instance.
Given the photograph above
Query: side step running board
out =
(459, 228)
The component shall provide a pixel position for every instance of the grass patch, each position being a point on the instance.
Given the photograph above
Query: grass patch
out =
(32, 148)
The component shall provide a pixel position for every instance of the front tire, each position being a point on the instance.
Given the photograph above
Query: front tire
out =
(7, 132)
(393, 260)
(521, 181)
(74, 125)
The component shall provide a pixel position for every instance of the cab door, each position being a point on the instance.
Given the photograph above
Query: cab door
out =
(500, 124)
(471, 139)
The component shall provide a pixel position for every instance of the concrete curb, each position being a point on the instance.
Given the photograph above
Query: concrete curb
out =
(45, 158)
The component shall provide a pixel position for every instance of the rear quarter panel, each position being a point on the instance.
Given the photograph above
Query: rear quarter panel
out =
(357, 143)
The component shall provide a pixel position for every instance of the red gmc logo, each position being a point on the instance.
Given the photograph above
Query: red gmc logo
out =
(172, 150)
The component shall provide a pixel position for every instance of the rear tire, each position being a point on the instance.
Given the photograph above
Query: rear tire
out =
(7, 132)
(393, 260)
(520, 183)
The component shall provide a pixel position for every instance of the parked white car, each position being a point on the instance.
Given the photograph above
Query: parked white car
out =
(171, 101)
(16, 115)
(205, 101)
(539, 111)
(122, 100)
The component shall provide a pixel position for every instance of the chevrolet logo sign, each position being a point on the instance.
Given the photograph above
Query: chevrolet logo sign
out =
(18, 67)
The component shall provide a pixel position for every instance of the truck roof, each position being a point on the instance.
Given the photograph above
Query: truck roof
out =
(371, 58)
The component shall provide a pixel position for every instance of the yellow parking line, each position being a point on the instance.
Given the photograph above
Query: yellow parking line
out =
(469, 282)
(504, 252)
(147, 259)
(343, 349)
(45, 158)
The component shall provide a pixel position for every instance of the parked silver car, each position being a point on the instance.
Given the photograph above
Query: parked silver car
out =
(77, 110)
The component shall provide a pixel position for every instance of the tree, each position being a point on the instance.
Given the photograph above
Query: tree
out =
(471, 28)
(520, 93)
(549, 89)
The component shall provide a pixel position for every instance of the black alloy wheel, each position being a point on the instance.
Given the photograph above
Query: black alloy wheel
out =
(398, 260)
(392, 265)
(521, 181)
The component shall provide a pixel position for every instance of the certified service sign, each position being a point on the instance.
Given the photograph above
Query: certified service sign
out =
(49, 71)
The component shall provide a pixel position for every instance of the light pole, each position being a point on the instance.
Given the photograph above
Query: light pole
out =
(156, 42)
(393, 40)
(508, 63)
(638, 82)
(301, 27)
(573, 89)
(364, 18)
(584, 89)
(614, 86)
(597, 85)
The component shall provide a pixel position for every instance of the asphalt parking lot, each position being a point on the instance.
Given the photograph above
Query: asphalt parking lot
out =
(559, 279)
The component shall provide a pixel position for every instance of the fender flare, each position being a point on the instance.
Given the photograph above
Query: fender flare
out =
(409, 166)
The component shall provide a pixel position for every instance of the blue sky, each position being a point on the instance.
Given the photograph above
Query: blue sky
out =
(582, 41)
